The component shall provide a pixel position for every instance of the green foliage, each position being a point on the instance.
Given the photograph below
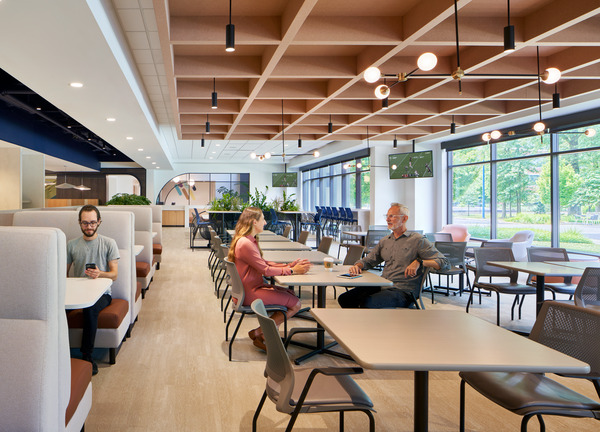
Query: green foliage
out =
(529, 218)
(570, 235)
(230, 200)
(259, 199)
(288, 203)
(128, 199)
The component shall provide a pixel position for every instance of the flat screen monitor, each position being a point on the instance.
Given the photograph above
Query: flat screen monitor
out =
(285, 179)
(411, 165)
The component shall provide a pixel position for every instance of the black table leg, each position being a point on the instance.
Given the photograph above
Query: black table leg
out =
(539, 292)
(421, 403)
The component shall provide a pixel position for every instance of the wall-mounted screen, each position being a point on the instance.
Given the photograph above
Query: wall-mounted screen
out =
(411, 165)
(285, 179)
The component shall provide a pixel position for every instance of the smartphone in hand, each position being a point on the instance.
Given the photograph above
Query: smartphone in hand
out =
(90, 266)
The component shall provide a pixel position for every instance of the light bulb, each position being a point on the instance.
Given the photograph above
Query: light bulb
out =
(496, 134)
(346, 166)
(192, 182)
(539, 127)
(316, 153)
(252, 155)
(382, 91)
(486, 136)
(394, 166)
(427, 61)
(551, 75)
(176, 179)
(261, 158)
(372, 74)
(267, 155)
(359, 165)
(590, 132)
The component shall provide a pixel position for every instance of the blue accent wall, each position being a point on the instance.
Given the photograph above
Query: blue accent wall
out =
(22, 129)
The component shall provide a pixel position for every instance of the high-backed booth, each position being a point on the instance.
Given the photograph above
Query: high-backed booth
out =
(143, 236)
(157, 239)
(42, 388)
(114, 321)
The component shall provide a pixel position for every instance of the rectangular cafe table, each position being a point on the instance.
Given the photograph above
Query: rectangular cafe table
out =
(283, 246)
(320, 277)
(295, 219)
(436, 340)
(540, 270)
(315, 257)
(84, 292)
(273, 238)
(265, 233)
(582, 265)
(360, 235)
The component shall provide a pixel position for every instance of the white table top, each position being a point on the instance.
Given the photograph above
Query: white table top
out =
(315, 257)
(272, 238)
(576, 264)
(231, 232)
(282, 246)
(538, 268)
(137, 249)
(437, 340)
(84, 292)
(356, 233)
(320, 276)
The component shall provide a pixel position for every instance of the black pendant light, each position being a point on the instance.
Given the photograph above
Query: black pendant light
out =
(299, 141)
(509, 34)
(452, 126)
(555, 97)
(395, 142)
(330, 125)
(214, 94)
(230, 34)
(202, 141)
(207, 125)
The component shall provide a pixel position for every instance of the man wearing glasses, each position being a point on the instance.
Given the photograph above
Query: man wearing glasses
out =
(92, 248)
(405, 255)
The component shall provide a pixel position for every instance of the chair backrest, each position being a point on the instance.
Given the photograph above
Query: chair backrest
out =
(373, 237)
(303, 237)
(379, 227)
(572, 330)
(459, 232)
(274, 218)
(484, 255)
(523, 236)
(587, 292)
(325, 244)
(541, 254)
(430, 237)
(286, 231)
(35, 368)
(278, 367)
(442, 237)
(349, 214)
(497, 244)
(237, 287)
(353, 254)
(345, 237)
(453, 251)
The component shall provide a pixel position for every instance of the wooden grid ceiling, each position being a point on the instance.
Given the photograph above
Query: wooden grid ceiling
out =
(311, 54)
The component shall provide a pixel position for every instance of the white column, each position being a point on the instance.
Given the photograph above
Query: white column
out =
(32, 180)
(10, 178)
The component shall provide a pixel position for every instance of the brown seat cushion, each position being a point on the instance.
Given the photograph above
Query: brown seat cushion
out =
(156, 249)
(138, 290)
(81, 376)
(142, 269)
(110, 317)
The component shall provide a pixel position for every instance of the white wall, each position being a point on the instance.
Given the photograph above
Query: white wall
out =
(260, 175)
(10, 178)
(32, 180)
(121, 183)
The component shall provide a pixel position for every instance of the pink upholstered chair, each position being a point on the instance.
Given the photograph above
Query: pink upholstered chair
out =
(460, 233)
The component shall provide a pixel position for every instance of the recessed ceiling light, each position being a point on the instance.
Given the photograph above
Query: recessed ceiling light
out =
(111, 119)
(213, 152)
(76, 84)
(157, 167)
(218, 145)
(129, 138)
(210, 157)
(39, 108)
(153, 163)
(148, 157)
(140, 149)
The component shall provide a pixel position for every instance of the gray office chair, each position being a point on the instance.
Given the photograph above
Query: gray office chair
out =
(483, 269)
(353, 254)
(303, 237)
(286, 231)
(346, 239)
(442, 237)
(305, 390)
(455, 254)
(325, 244)
(587, 293)
(541, 254)
(419, 300)
(566, 328)
(238, 295)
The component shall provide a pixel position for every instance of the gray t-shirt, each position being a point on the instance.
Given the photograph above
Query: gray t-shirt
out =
(99, 251)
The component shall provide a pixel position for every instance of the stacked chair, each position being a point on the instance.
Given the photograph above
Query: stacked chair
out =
(42, 388)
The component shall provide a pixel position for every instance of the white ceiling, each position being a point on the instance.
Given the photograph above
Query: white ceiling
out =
(146, 67)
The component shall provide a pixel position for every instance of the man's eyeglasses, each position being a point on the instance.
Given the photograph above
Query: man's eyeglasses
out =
(392, 216)
(89, 224)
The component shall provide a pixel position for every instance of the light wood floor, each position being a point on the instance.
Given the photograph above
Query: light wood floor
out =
(173, 373)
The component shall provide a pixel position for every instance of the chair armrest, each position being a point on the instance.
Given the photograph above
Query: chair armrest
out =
(331, 371)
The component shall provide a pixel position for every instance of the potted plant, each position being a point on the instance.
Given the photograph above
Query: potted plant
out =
(128, 199)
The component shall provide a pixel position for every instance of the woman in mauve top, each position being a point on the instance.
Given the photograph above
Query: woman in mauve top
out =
(247, 256)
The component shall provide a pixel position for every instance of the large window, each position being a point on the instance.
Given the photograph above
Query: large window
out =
(200, 189)
(548, 184)
(343, 183)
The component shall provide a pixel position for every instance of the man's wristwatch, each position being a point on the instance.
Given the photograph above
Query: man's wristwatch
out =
(420, 261)
(292, 270)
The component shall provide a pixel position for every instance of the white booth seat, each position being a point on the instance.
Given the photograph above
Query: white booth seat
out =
(42, 389)
(157, 228)
(143, 236)
(115, 320)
